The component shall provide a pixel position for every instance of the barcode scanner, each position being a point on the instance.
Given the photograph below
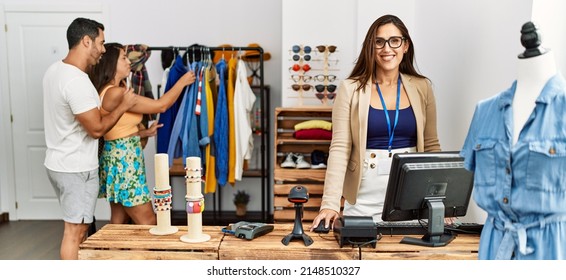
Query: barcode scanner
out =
(298, 195)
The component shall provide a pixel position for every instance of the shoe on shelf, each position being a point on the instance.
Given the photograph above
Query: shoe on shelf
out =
(301, 162)
(318, 166)
(289, 161)
(318, 159)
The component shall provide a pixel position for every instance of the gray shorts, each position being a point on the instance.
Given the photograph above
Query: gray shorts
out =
(77, 194)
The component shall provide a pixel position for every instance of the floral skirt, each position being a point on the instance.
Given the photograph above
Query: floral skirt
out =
(122, 172)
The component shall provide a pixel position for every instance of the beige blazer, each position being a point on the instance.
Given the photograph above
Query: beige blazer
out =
(349, 135)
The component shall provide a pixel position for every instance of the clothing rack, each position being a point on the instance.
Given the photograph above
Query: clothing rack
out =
(265, 173)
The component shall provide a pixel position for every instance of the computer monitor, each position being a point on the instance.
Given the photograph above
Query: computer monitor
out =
(430, 185)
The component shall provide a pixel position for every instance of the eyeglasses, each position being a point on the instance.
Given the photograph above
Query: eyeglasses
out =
(297, 67)
(297, 78)
(306, 57)
(321, 96)
(322, 48)
(305, 87)
(297, 49)
(328, 88)
(321, 78)
(394, 42)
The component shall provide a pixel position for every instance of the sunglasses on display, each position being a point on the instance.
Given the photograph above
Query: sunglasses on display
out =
(297, 67)
(306, 57)
(297, 78)
(322, 48)
(394, 42)
(297, 49)
(321, 78)
(328, 88)
(304, 87)
(321, 96)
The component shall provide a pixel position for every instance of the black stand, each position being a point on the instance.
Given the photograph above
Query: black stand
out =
(435, 236)
(298, 232)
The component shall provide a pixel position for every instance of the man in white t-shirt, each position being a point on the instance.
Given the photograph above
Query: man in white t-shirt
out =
(73, 124)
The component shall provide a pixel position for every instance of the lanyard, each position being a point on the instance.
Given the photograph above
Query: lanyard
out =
(390, 130)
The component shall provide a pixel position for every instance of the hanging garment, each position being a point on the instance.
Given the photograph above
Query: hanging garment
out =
(167, 118)
(210, 161)
(138, 56)
(186, 143)
(165, 75)
(232, 64)
(202, 116)
(244, 99)
(221, 124)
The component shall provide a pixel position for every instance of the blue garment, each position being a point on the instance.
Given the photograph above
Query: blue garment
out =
(185, 144)
(202, 119)
(405, 132)
(190, 134)
(220, 136)
(522, 187)
(175, 145)
(167, 118)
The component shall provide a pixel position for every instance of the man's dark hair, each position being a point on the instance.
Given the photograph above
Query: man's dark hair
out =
(81, 27)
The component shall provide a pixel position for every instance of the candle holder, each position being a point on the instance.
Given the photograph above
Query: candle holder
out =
(195, 202)
(162, 197)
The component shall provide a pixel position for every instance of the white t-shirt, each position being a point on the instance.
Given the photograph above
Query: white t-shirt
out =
(244, 99)
(67, 91)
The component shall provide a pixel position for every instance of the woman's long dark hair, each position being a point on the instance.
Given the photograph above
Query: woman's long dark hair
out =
(103, 72)
(366, 64)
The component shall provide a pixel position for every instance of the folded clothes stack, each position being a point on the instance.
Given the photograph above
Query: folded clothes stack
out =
(313, 130)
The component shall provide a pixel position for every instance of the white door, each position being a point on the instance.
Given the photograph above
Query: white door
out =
(35, 40)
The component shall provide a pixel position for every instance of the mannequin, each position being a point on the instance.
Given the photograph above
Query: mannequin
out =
(520, 182)
(535, 66)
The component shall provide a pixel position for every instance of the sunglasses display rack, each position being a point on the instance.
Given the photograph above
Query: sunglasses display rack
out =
(311, 70)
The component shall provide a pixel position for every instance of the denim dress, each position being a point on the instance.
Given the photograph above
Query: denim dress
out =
(522, 187)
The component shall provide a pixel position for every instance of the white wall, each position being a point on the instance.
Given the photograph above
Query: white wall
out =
(167, 23)
(548, 15)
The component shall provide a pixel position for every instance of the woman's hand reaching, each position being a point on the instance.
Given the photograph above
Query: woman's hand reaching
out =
(148, 132)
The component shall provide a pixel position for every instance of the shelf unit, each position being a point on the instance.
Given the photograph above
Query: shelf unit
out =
(286, 178)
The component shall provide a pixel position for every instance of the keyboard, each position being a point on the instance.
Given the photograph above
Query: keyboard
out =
(414, 228)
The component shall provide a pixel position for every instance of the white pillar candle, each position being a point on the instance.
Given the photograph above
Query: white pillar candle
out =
(161, 171)
(162, 184)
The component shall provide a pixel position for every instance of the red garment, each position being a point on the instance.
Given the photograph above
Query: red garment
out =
(313, 134)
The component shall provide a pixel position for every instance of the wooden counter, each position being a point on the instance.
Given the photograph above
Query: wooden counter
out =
(463, 247)
(269, 247)
(135, 242)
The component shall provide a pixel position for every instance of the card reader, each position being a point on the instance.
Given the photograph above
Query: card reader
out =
(252, 230)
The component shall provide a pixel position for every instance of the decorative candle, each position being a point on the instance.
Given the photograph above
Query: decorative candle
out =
(162, 197)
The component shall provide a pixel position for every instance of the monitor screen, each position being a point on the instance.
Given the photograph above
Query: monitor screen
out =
(432, 186)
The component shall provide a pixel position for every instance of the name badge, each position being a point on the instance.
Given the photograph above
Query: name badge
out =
(384, 166)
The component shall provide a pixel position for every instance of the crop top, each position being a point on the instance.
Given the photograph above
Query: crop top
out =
(126, 125)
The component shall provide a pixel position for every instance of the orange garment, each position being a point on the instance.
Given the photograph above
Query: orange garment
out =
(210, 160)
(231, 86)
(126, 125)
